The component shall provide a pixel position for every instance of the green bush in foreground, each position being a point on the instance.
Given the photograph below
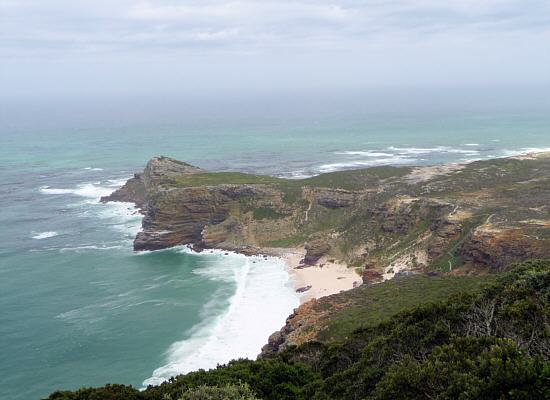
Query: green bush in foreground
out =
(468, 368)
(108, 392)
(491, 344)
(239, 391)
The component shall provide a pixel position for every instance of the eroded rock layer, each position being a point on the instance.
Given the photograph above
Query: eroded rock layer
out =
(385, 220)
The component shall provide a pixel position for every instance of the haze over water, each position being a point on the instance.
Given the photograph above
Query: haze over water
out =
(79, 308)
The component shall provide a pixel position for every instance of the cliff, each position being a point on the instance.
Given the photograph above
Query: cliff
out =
(386, 221)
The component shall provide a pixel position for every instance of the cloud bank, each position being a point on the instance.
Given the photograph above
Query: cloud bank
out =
(64, 44)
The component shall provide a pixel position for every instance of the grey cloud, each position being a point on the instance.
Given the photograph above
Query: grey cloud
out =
(272, 42)
(245, 25)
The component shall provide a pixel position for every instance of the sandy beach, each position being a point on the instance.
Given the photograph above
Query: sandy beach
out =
(325, 278)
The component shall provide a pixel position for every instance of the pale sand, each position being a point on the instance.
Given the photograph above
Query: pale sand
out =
(325, 278)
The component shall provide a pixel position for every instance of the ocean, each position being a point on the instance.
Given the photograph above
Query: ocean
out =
(79, 308)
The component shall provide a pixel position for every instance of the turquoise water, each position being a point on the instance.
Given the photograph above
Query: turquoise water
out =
(78, 307)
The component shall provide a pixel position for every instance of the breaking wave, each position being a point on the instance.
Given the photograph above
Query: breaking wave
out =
(236, 326)
(44, 235)
(403, 155)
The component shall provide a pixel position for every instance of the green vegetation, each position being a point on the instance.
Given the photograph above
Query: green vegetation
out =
(350, 180)
(223, 178)
(493, 343)
(240, 391)
(288, 242)
(450, 260)
(370, 305)
(266, 213)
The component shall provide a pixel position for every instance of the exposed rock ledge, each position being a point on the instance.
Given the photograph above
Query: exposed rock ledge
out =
(383, 219)
(390, 222)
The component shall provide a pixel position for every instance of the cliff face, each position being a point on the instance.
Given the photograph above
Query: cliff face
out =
(387, 221)
(496, 249)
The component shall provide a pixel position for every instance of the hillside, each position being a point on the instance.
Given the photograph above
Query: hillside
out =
(476, 217)
(489, 343)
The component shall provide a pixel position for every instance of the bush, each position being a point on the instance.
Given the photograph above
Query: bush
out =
(108, 392)
(239, 391)
(468, 368)
(493, 344)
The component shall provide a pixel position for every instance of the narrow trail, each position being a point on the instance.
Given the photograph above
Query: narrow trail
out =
(307, 212)
(450, 253)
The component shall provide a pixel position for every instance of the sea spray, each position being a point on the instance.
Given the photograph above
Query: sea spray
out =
(44, 235)
(236, 327)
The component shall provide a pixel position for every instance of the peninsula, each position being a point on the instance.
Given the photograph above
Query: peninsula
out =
(436, 250)
(382, 222)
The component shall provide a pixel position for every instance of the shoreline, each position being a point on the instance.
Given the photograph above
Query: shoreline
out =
(326, 277)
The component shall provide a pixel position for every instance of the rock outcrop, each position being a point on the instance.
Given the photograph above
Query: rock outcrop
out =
(334, 198)
(380, 220)
(392, 222)
(497, 248)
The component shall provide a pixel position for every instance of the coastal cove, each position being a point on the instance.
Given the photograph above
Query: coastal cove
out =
(403, 232)
(262, 291)
(274, 200)
(81, 308)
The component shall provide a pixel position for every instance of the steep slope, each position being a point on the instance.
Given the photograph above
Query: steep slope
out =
(477, 217)
(492, 343)
(332, 319)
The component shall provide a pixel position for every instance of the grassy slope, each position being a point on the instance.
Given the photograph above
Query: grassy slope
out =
(351, 180)
(370, 305)
(510, 190)
(444, 350)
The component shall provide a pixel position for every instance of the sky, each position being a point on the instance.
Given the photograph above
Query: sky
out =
(188, 46)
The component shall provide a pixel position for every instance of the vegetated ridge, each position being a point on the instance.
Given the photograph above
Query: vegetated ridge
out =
(441, 325)
(489, 343)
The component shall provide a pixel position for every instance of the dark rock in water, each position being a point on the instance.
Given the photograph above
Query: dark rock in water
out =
(197, 248)
(303, 289)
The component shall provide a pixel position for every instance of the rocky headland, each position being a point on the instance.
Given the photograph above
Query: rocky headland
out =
(386, 223)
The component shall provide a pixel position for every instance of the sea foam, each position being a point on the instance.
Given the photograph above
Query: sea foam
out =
(88, 190)
(120, 216)
(366, 163)
(263, 298)
(44, 235)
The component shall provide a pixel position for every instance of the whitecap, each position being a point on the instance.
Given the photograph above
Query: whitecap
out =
(428, 150)
(366, 153)
(88, 247)
(368, 163)
(45, 235)
(123, 217)
(93, 169)
(297, 175)
(49, 190)
(233, 328)
(524, 151)
(116, 182)
(88, 190)
(527, 150)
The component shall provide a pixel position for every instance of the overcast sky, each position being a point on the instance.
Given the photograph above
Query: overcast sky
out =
(118, 46)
